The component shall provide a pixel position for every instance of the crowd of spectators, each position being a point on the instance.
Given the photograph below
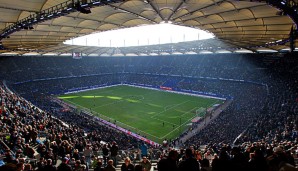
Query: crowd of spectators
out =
(257, 156)
(258, 131)
(27, 68)
(79, 141)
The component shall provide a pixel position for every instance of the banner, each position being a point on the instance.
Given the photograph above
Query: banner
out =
(165, 88)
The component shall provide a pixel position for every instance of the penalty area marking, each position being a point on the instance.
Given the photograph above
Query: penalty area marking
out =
(172, 106)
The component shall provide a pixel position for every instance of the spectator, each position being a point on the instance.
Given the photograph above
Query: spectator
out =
(27, 167)
(40, 164)
(127, 166)
(189, 163)
(110, 166)
(169, 163)
(49, 166)
(79, 166)
(84, 163)
(64, 166)
(105, 153)
(76, 154)
(87, 153)
(215, 163)
(99, 166)
(205, 165)
(144, 150)
(146, 164)
(114, 152)
(72, 162)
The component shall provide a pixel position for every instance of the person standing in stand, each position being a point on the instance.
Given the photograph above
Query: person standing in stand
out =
(105, 153)
(114, 152)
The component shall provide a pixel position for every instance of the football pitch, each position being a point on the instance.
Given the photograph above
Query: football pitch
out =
(157, 115)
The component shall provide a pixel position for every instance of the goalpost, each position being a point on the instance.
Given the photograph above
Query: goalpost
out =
(201, 112)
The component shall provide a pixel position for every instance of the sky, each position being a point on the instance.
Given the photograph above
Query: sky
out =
(141, 36)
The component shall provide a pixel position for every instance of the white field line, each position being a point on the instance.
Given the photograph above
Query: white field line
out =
(154, 116)
(165, 121)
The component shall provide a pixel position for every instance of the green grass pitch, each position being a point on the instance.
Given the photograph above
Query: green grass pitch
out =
(158, 115)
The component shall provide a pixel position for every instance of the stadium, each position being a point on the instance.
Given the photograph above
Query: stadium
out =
(73, 100)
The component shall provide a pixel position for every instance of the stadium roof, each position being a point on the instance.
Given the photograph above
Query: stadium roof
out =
(236, 24)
